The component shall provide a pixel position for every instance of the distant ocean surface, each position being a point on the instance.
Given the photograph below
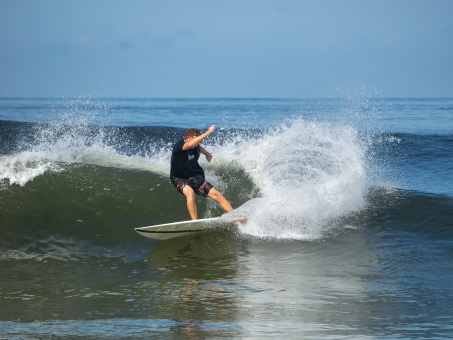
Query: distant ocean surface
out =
(349, 233)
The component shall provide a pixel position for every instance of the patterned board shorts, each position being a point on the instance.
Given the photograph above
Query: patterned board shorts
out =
(202, 190)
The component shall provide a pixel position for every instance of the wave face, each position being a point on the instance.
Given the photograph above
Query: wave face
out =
(296, 181)
(300, 176)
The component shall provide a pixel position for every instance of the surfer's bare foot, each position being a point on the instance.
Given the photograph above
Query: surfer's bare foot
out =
(242, 221)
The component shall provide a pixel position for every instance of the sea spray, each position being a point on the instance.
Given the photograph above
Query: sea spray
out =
(52, 147)
(308, 174)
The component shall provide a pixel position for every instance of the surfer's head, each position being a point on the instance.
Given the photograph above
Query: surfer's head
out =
(192, 132)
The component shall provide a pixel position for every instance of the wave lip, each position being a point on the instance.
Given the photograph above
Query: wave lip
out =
(24, 167)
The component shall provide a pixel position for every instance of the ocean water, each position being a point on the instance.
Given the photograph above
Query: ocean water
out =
(349, 233)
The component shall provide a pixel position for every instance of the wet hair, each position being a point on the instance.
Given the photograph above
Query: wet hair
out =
(192, 133)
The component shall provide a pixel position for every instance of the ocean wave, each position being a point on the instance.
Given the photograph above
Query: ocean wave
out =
(305, 174)
(91, 210)
(298, 178)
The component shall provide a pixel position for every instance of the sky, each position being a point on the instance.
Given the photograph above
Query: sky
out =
(226, 48)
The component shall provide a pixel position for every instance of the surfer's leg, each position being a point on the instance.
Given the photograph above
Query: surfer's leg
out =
(217, 196)
(191, 202)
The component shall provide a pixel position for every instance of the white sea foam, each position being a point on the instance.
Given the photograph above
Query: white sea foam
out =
(59, 145)
(308, 175)
(24, 167)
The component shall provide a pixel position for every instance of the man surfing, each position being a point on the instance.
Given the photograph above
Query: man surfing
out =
(188, 176)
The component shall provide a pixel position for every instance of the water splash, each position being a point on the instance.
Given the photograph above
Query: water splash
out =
(308, 174)
(71, 138)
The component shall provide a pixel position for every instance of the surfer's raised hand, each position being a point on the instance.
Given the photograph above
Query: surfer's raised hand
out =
(192, 141)
(211, 129)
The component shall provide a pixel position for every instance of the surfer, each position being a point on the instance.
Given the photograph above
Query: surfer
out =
(188, 176)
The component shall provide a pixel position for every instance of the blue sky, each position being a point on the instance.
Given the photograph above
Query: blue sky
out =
(247, 48)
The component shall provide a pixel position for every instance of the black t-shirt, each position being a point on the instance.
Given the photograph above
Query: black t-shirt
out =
(184, 164)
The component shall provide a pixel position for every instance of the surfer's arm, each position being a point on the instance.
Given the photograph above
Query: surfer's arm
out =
(193, 142)
(206, 153)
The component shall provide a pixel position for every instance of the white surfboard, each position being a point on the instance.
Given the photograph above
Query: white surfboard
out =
(171, 230)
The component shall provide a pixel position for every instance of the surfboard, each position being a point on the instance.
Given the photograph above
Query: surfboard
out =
(176, 229)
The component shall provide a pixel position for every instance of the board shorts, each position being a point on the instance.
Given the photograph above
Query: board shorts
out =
(202, 190)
